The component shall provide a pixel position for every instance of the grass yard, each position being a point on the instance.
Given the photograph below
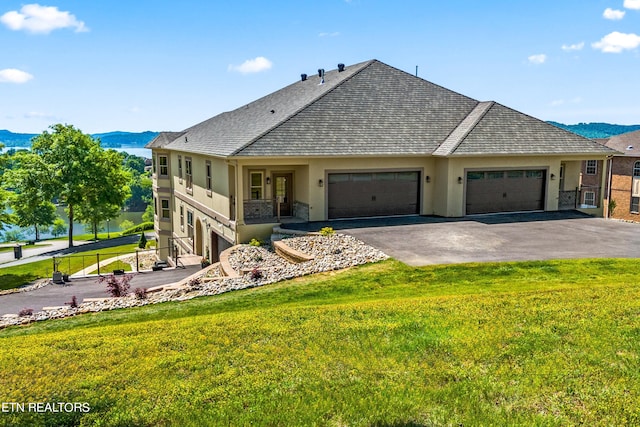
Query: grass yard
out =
(535, 343)
(18, 275)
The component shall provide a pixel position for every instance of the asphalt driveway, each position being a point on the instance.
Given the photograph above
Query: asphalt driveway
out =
(423, 240)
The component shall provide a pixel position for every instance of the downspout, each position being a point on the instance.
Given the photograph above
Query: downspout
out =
(609, 179)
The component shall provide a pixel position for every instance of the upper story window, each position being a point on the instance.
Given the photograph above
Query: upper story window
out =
(180, 168)
(208, 166)
(636, 169)
(166, 211)
(164, 165)
(592, 167)
(257, 189)
(189, 223)
(188, 170)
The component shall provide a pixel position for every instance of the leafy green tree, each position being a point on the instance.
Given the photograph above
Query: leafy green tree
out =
(86, 178)
(108, 189)
(141, 192)
(148, 214)
(32, 192)
(126, 224)
(59, 227)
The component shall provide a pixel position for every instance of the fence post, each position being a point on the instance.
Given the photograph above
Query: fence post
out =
(98, 259)
(54, 264)
(137, 262)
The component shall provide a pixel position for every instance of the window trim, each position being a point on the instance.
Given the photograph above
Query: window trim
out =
(188, 166)
(181, 217)
(208, 177)
(635, 172)
(592, 195)
(180, 169)
(594, 167)
(165, 212)
(261, 186)
(190, 230)
(164, 166)
(635, 205)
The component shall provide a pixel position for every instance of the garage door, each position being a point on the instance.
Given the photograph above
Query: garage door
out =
(505, 191)
(373, 194)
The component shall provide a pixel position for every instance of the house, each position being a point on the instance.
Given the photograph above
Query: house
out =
(359, 141)
(624, 177)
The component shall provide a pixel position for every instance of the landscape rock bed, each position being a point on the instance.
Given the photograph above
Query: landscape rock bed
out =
(330, 253)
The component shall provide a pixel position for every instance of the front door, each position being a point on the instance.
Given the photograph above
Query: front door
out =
(283, 193)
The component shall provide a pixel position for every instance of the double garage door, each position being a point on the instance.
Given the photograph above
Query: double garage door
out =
(370, 194)
(505, 191)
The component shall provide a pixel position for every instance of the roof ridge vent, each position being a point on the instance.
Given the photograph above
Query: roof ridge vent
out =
(321, 75)
(303, 77)
(340, 68)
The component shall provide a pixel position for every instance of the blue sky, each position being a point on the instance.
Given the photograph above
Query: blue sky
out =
(165, 65)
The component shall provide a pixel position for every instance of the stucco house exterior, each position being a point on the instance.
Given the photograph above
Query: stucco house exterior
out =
(624, 176)
(359, 141)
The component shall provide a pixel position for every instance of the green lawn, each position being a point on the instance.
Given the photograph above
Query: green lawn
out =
(12, 277)
(535, 343)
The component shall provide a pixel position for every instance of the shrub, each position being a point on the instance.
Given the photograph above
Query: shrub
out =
(141, 293)
(138, 228)
(25, 312)
(327, 231)
(142, 243)
(255, 242)
(126, 224)
(256, 274)
(73, 303)
(117, 286)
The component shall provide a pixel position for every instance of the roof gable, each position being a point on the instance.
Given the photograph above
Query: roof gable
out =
(627, 144)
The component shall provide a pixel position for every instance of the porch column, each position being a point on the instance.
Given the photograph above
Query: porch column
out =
(239, 170)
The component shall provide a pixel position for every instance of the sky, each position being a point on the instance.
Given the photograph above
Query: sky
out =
(162, 65)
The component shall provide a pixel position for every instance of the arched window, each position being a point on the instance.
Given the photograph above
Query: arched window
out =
(636, 168)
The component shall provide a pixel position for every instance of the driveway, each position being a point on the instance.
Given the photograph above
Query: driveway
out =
(420, 240)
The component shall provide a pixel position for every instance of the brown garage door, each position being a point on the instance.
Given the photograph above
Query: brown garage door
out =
(505, 191)
(373, 194)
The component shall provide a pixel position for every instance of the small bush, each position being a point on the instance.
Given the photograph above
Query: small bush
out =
(141, 293)
(327, 231)
(256, 274)
(73, 303)
(142, 243)
(126, 224)
(138, 228)
(117, 286)
(25, 312)
(255, 242)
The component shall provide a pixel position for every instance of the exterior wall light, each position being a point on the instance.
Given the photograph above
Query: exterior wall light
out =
(427, 178)
(553, 177)
(268, 180)
(459, 180)
(320, 183)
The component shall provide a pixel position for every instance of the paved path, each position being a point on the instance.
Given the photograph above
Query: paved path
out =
(58, 295)
(422, 240)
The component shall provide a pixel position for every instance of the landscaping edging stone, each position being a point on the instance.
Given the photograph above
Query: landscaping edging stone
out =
(329, 253)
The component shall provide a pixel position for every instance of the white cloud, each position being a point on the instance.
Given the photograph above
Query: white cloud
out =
(632, 4)
(256, 65)
(334, 34)
(12, 75)
(572, 47)
(616, 42)
(38, 115)
(41, 19)
(559, 102)
(538, 59)
(612, 14)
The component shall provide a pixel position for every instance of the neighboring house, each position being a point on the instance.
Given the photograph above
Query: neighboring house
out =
(360, 141)
(624, 176)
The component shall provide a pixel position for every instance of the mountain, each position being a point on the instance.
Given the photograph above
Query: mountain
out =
(597, 130)
(108, 140)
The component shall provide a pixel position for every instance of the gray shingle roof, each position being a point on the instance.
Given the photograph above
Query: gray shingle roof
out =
(628, 144)
(373, 109)
(162, 139)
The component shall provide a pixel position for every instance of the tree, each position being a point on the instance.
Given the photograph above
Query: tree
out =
(59, 227)
(108, 189)
(86, 178)
(32, 192)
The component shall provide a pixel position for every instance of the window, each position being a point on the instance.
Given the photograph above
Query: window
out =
(180, 168)
(164, 165)
(153, 163)
(635, 205)
(181, 217)
(589, 198)
(166, 212)
(189, 223)
(636, 169)
(208, 166)
(592, 167)
(256, 190)
(188, 173)
(155, 206)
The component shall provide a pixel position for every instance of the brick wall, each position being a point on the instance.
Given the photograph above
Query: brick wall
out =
(621, 179)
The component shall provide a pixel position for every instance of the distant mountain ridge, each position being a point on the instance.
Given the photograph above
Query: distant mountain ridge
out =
(108, 140)
(120, 139)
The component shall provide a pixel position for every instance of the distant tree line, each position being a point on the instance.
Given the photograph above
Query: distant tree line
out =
(597, 130)
(69, 167)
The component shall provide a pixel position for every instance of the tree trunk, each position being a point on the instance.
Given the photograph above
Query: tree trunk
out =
(37, 233)
(95, 231)
(70, 226)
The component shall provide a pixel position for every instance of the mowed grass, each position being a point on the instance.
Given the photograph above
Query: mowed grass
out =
(19, 275)
(536, 343)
